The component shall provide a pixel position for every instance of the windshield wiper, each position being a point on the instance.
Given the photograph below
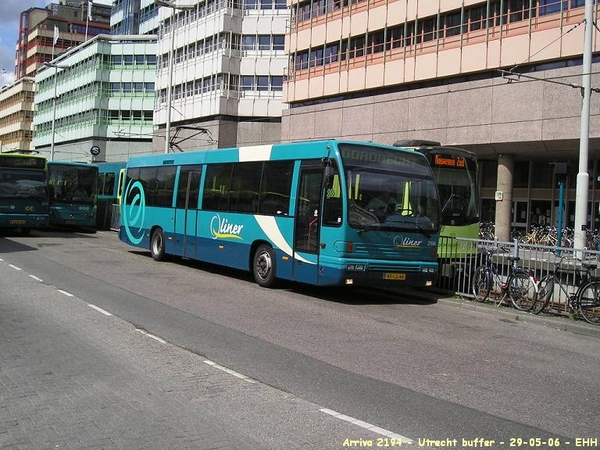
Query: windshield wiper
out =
(452, 197)
(422, 230)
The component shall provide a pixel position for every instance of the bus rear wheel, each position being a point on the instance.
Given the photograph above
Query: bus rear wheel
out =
(157, 245)
(264, 267)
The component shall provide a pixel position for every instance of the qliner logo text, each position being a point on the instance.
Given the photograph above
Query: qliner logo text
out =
(222, 229)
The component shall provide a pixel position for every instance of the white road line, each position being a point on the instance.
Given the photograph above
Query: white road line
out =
(156, 338)
(229, 371)
(14, 267)
(106, 313)
(367, 426)
(35, 278)
(68, 294)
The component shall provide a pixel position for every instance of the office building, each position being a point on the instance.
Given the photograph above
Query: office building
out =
(46, 32)
(95, 102)
(501, 78)
(221, 65)
(16, 115)
(134, 17)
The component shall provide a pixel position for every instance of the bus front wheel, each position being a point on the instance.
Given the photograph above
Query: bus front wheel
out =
(264, 266)
(157, 245)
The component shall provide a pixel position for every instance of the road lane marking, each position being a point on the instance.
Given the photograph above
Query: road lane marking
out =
(156, 338)
(368, 426)
(229, 371)
(14, 267)
(68, 294)
(35, 278)
(106, 313)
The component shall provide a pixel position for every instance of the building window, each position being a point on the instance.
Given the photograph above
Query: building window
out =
(489, 173)
(521, 174)
(542, 176)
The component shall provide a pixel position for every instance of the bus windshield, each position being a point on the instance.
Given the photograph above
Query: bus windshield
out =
(457, 184)
(389, 190)
(73, 184)
(23, 184)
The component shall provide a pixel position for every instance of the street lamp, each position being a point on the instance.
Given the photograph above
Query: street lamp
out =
(53, 132)
(171, 65)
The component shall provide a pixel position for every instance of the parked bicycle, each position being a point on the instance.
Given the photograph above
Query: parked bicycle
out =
(585, 300)
(520, 286)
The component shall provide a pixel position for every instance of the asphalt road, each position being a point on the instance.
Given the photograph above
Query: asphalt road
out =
(421, 368)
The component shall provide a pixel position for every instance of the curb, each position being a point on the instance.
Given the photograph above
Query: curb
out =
(563, 323)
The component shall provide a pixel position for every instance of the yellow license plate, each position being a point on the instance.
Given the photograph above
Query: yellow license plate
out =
(71, 222)
(17, 222)
(394, 276)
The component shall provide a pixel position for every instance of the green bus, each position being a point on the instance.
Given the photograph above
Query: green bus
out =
(455, 171)
(23, 197)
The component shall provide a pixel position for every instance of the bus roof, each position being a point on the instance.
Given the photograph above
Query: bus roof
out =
(104, 167)
(269, 152)
(430, 145)
(71, 163)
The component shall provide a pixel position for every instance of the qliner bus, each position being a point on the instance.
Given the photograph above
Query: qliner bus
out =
(296, 211)
(72, 189)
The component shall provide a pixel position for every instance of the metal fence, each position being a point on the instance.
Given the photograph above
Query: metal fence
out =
(456, 272)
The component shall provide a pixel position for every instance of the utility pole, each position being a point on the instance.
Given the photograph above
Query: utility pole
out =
(171, 4)
(581, 203)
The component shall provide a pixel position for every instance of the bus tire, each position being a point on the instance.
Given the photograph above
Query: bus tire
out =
(157, 245)
(264, 267)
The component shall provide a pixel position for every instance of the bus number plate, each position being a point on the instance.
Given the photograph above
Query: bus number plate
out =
(394, 276)
(70, 222)
(17, 222)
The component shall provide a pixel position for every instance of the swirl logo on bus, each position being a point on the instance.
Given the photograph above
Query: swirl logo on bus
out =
(222, 229)
(134, 211)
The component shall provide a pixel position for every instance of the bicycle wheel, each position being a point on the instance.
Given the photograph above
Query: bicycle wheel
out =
(482, 283)
(588, 300)
(545, 291)
(522, 290)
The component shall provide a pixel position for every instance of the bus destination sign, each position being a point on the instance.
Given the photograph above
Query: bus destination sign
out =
(22, 162)
(449, 161)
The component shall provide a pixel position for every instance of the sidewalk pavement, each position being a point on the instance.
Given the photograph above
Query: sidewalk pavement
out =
(72, 377)
(559, 322)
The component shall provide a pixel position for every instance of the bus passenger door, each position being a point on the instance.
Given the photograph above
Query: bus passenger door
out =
(308, 222)
(187, 210)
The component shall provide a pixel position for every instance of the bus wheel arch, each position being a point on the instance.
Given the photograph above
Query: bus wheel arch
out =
(264, 267)
(157, 244)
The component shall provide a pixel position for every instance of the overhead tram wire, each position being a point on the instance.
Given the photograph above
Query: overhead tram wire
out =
(507, 74)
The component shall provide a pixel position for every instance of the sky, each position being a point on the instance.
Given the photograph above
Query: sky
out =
(9, 31)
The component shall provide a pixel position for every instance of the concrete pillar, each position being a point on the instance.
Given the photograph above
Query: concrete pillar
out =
(504, 196)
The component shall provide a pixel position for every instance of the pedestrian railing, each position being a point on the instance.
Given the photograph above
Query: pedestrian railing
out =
(456, 271)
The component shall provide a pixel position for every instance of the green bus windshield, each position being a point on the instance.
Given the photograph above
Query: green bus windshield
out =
(22, 183)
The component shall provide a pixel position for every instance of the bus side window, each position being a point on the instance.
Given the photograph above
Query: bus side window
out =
(332, 212)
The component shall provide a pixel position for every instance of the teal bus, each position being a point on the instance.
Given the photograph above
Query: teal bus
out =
(455, 171)
(72, 188)
(108, 198)
(23, 197)
(291, 211)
